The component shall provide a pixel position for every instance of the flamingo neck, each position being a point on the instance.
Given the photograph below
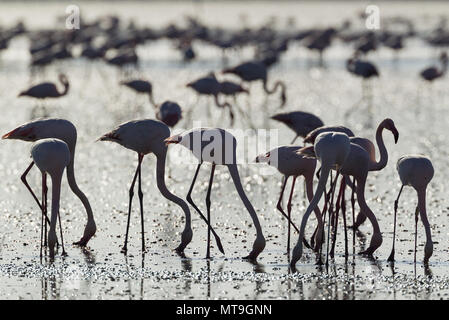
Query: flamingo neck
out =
(55, 199)
(277, 84)
(423, 213)
(160, 179)
(75, 189)
(376, 166)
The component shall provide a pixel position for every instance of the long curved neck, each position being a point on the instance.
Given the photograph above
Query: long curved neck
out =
(66, 87)
(325, 170)
(150, 94)
(309, 192)
(376, 166)
(74, 186)
(238, 185)
(277, 84)
(160, 179)
(423, 212)
(55, 199)
(221, 105)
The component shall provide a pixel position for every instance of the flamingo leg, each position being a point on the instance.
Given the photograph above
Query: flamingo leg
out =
(209, 189)
(333, 184)
(140, 193)
(279, 207)
(131, 195)
(353, 214)
(335, 223)
(343, 211)
(189, 200)
(44, 203)
(25, 182)
(64, 253)
(391, 257)
(416, 231)
(294, 139)
(289, 210)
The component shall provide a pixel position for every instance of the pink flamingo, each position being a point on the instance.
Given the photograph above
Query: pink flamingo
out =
(145, 137)
(218, 146)
(331, 149)
(291, 164)
(52, 156)
(417, 172)
(64, 130)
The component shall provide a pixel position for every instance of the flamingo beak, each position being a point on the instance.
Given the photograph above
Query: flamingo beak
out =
(14, 133)
(173, 139)
(395, 134)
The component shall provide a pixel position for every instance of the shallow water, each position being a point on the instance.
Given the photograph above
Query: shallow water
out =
(96, 104)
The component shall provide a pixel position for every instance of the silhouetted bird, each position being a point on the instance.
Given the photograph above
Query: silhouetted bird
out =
(300, 122)
(141, 86)
(47, 89)
(433, 73)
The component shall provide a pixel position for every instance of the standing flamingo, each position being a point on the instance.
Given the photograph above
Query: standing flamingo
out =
(64, 130)
(369, 147)
(300, 122)
(432, 73)
(141, 86)
(256, 70)
(145, 137)
(291, 164)
(209, 85)
(218, 146)
(47, 89)
(331, 149)
(52, 156)
(417, 172)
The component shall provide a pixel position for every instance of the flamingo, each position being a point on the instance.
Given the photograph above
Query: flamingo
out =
(218, 146)
(300, 122)
(141, 86)
(257, 70)
(331, 149)
(289, 163)
(47, 89)
(64, 130)
(369, 147)
(415, 171)
(209, 85)
(169, 113)
(432, 73)
(311, 136)
(51, 156)
(145, 137)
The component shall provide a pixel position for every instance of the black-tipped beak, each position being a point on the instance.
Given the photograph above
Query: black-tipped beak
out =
(396, 135)
(172, 139)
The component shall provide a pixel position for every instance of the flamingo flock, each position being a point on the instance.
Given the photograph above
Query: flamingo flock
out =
(335, 150)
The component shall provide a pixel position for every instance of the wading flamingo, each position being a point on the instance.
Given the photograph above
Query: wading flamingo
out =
(145, 137)
(291, 164)
(331, 149)
(300, 122)
(47, 89)
(417, 172)
(64, 130)
(218, 146)
(51, 156)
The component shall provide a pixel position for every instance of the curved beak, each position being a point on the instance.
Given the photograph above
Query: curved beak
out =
(12, 133)
(395, 134)
(173, 139)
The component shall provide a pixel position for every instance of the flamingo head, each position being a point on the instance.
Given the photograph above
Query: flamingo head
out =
(173, 139)
(263, 158)
(25, 132)
(389, 125)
